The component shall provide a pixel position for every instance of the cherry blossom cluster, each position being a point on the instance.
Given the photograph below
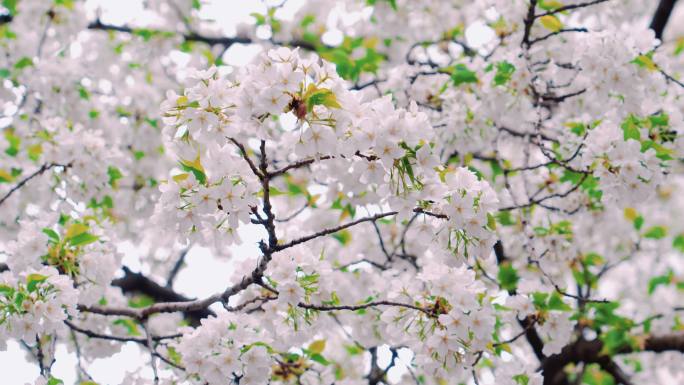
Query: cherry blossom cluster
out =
(75, 248)
(457, 326)
(34, 303)
(227, 347)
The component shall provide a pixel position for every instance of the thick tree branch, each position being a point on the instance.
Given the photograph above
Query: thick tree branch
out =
(138, 283)
(661, 17)
(526, 324)
(591, 352)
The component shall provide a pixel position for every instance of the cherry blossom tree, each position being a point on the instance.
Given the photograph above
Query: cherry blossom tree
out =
(444, 192)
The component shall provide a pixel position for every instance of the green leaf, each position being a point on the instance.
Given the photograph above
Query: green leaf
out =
(353, 350)
(274, 191)
(138, 155)
(114, 175)
(294, 189)
(521, 379)
(11, 6)
(19, 298)
(551, 22)
(630, 128)
(508, 277)
(68, 4)
(34, 151)
(5, 177)
(678, 243)
(83, 239)
(307, 20)
(145, 33)
(638, 222)
(320, 359)
(505, 218)
(654, 282)
(129, 324)
(539, 300)
(321, 96)
(549, 5)
(491, 221)
(342, 236)
(83, 93)
(14, 142)
(616, 339)
(259, 18)
(6, 291)
(577, 128)
(659, 120)
(140, 301)
(679, 46)
(173, 354)
(556, 303)
(504, 71)
(32, 281)
(646, 61)
(76, 229)
(317, 346)
(196, 168)
(656, 232)
(23, 63)
(55, 381)
(461, 74)
(593, 375)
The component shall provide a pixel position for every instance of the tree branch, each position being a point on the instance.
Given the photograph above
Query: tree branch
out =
(177, 267)
(591, 352)
(570, 7)
(21, 183)
(137, 282)
(333, 230)
(661, 17)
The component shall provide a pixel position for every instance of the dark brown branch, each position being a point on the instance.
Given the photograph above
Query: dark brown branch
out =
(298, 164)
(92, 334)
(218, 40)
(670, 78)
(332, 230)
(528, 22)
(556, 33)
(570, 7)
(612, 368)
(177, 267)
(365, 306)
(138, 283)
(526, 324)
(21, 183)
(590, 352)
(533, 202)
(661, 17)
(244, 154)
